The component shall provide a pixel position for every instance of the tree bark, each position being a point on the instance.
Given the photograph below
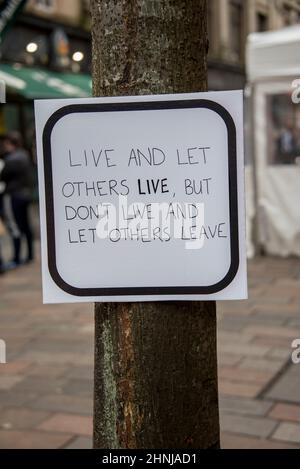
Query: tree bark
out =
(155, 363)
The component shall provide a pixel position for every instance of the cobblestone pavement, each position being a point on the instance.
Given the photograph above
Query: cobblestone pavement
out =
(46, 385)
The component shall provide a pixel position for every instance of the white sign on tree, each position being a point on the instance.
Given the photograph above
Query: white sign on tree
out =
(142, 198)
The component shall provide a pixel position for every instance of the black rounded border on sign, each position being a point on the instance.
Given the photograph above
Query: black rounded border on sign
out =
(233, 196)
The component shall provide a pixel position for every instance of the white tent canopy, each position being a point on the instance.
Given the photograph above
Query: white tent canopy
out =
(274, 54)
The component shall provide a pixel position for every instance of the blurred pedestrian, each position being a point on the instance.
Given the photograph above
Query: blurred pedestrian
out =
(17, 175)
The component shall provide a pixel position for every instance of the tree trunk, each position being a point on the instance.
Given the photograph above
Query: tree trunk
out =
(155, 363)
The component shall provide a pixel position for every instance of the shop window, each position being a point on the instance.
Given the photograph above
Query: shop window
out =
(25, 46)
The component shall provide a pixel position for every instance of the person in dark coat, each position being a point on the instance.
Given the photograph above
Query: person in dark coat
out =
(17, 176)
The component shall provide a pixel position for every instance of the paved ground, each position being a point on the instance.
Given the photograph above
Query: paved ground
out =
(46, 386)
(259, 384)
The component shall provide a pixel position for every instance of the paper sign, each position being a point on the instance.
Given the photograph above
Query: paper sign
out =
(142, 198)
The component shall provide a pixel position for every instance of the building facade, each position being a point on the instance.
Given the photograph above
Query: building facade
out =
(230, 22)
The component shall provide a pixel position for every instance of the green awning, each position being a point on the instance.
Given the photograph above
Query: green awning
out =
(35, 83)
